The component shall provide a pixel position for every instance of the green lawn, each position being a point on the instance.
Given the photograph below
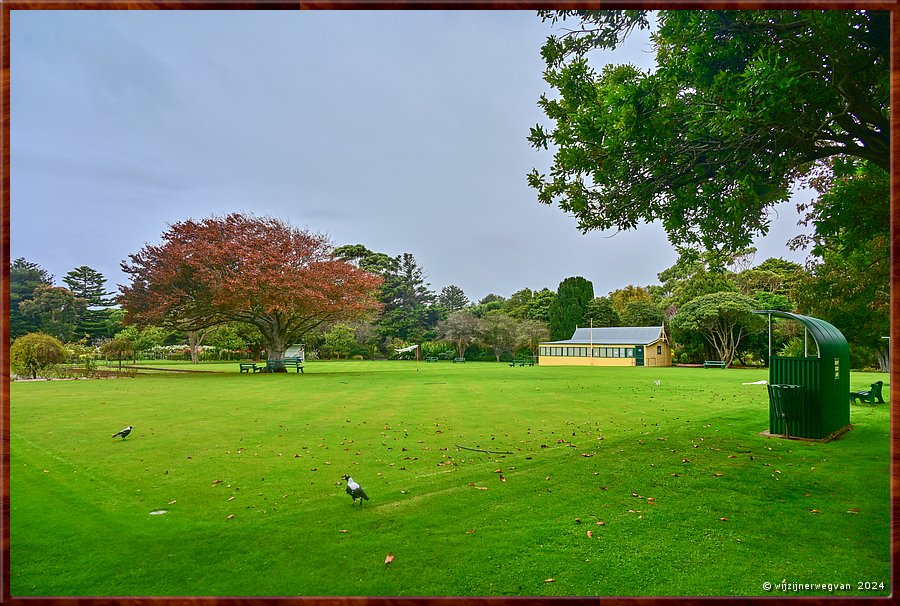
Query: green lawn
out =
(248, 467)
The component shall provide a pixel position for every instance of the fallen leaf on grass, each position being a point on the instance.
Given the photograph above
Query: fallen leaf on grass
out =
(216, 482)
(229, 516)
(343, 531)
(718, 474)
(590, 534)
(549, 580)
(853, 510)
(502, 479)
(723, 519)
(601, 523)
(389, 558)
(814, 511)
(472, 531)
(172, 502)
(46, 470)
(587, 454)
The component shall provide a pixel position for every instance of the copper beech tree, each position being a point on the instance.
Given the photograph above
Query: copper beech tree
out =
(261, 271)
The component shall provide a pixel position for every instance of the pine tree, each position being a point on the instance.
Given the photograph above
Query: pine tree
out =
(89, 284)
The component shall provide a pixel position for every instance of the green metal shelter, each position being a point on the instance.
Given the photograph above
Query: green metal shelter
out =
(823, 377)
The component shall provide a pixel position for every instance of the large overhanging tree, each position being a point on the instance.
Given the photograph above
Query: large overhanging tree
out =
(741, 106)
(260, 271)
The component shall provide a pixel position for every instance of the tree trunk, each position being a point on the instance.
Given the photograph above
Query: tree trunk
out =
(195, 339)
(276, 345)
(883, 356)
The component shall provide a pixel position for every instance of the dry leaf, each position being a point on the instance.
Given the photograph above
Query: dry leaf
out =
(814, 511)
(231, 498)
(549, 580)
(578, 520)
(343, 531)
(46, 470)
(586, 454)
(472, 531)
(229, 516)
(590, 534)
(216, 482)
(502, 479)
(481, 487)
(172, 502)
(723, 519)
(853, 510)
(718, 474)
(498, 471)
(389, 558)
(601, 523)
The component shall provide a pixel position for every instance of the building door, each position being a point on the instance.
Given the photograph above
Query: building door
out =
(639, 355)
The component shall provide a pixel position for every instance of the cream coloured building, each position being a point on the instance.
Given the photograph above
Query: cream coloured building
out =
(609, 346)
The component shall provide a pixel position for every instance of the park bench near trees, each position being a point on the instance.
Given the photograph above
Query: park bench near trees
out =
(459, 360)
(871, 395)
(522, 362)
(715, 364)
(277, 365)
(249, 367)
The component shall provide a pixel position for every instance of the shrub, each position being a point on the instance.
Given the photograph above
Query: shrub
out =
(35, 352)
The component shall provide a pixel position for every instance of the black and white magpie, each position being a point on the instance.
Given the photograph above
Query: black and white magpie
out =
(355, 491)
(124, 433)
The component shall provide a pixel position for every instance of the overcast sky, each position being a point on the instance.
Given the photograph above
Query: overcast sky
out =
(402, 131)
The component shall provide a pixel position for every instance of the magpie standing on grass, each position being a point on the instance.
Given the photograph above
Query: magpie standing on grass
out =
(355, 491)
(124, 433)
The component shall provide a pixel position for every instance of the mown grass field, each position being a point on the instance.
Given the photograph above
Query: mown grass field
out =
(613, 485)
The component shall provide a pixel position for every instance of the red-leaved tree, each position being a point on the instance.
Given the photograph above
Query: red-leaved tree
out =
(239, 268)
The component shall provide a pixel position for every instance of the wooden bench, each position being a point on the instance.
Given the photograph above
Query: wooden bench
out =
(871, 395)
(249, 367)
(274, 365)
(460, 360)
(431, 359)
(714, 364)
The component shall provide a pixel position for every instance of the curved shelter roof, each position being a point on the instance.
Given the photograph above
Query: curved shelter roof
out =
(830, 341)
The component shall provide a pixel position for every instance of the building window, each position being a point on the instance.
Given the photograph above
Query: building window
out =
(629, 353)
(659, 350)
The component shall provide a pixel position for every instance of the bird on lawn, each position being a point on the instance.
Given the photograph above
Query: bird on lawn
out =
(355, 491)
(124, 433)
